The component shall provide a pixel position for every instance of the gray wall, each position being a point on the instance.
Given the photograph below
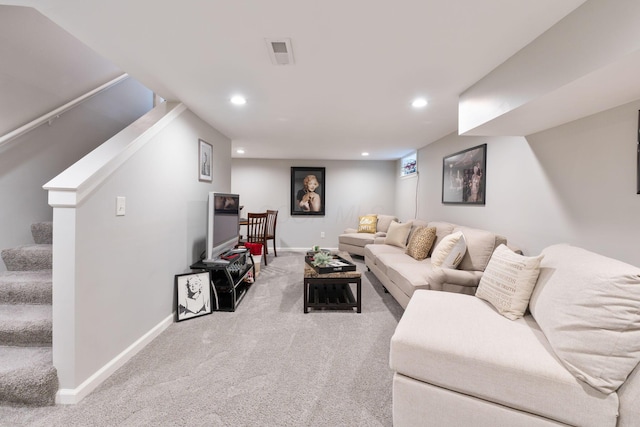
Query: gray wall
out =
(125, 265)
(43, 67)
(31, 160)
(352, 188)
(575, 183)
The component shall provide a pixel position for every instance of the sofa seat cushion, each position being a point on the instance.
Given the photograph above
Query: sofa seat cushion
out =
(407, 273)
(357, 239)
(372, 252)
(410, 276)
(384, 261)
(462, 344)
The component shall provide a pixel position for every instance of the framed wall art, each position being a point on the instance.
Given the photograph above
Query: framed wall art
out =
(193, 295)
(464, 177)
(638, 157)
(409, 165)
(205, 156)
(308, 191)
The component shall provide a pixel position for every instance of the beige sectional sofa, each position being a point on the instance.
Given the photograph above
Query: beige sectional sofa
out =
(402, 275)
(572, 359)
(354, 242)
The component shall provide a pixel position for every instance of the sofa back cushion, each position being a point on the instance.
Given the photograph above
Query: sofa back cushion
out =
(442, 229)
(588, 307)
(416, 224)
(480, 246)
(384, 221)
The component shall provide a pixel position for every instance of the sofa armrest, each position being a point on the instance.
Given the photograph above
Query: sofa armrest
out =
(440, 276)
(379, 240)
(350, 230)
(629, 394)
(380, 234)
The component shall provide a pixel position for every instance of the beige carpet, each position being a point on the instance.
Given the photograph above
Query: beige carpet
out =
(267, 364)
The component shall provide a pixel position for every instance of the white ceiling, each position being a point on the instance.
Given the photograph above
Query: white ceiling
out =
(358, 64)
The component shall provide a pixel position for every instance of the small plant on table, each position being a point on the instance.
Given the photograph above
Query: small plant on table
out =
(322, 259)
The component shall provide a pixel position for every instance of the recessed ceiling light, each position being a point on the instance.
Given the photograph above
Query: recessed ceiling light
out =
(238, 100)
(419, 103)
(240, 151)
(365, 154)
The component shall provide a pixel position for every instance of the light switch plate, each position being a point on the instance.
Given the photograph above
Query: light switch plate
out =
(120, 206)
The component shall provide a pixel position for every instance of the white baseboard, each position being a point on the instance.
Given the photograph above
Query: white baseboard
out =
(304, 249)
(68, 396)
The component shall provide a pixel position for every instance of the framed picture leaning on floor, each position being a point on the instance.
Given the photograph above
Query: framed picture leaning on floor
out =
(193, 295)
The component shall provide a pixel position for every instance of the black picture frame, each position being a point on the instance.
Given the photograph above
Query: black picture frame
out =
(464, 177)
(638, 157)
(303, 201)
(189, 285)
(205, 160)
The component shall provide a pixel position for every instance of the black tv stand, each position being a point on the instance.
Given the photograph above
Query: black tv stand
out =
(228, 278)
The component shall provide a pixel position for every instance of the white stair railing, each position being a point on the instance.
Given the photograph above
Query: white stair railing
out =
(49, 117)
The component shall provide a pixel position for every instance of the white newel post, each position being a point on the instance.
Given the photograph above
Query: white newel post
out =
(64, 291)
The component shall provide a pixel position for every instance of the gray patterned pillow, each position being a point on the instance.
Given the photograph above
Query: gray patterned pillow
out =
(421, 242)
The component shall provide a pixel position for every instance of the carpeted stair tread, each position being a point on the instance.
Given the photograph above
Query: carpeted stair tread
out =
(42, 232)
(25, 287)
(27, 376)
(28, 258)
(25, 325)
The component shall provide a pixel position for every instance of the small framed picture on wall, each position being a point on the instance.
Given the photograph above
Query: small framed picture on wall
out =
(205, 156)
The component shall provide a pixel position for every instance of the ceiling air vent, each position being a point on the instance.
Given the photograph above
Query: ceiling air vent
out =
(280, 51)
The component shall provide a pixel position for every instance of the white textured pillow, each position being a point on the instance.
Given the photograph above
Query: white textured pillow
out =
(449, 252)
(397, 234)
(588, 307)
(508, 281)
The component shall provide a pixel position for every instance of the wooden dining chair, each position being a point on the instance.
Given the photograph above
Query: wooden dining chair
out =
(272, 218)
(257, 231)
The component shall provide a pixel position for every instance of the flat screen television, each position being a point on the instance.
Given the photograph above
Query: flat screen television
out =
(223, 224)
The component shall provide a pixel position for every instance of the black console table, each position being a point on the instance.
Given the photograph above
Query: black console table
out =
(228, 278)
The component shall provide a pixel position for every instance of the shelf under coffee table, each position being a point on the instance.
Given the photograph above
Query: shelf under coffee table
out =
(332, 290)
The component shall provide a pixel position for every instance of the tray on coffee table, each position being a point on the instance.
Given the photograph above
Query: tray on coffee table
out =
(338, 265)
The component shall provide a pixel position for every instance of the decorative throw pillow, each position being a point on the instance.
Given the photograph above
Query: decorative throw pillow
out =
(449, 251)
(508, 281)
(397, 234)
(587, 307)
(367, 224)
(420, 242)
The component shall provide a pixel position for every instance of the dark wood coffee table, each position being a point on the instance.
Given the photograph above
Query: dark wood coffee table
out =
(332, 290)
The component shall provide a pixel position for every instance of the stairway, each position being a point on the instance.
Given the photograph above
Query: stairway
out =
(27, 375)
